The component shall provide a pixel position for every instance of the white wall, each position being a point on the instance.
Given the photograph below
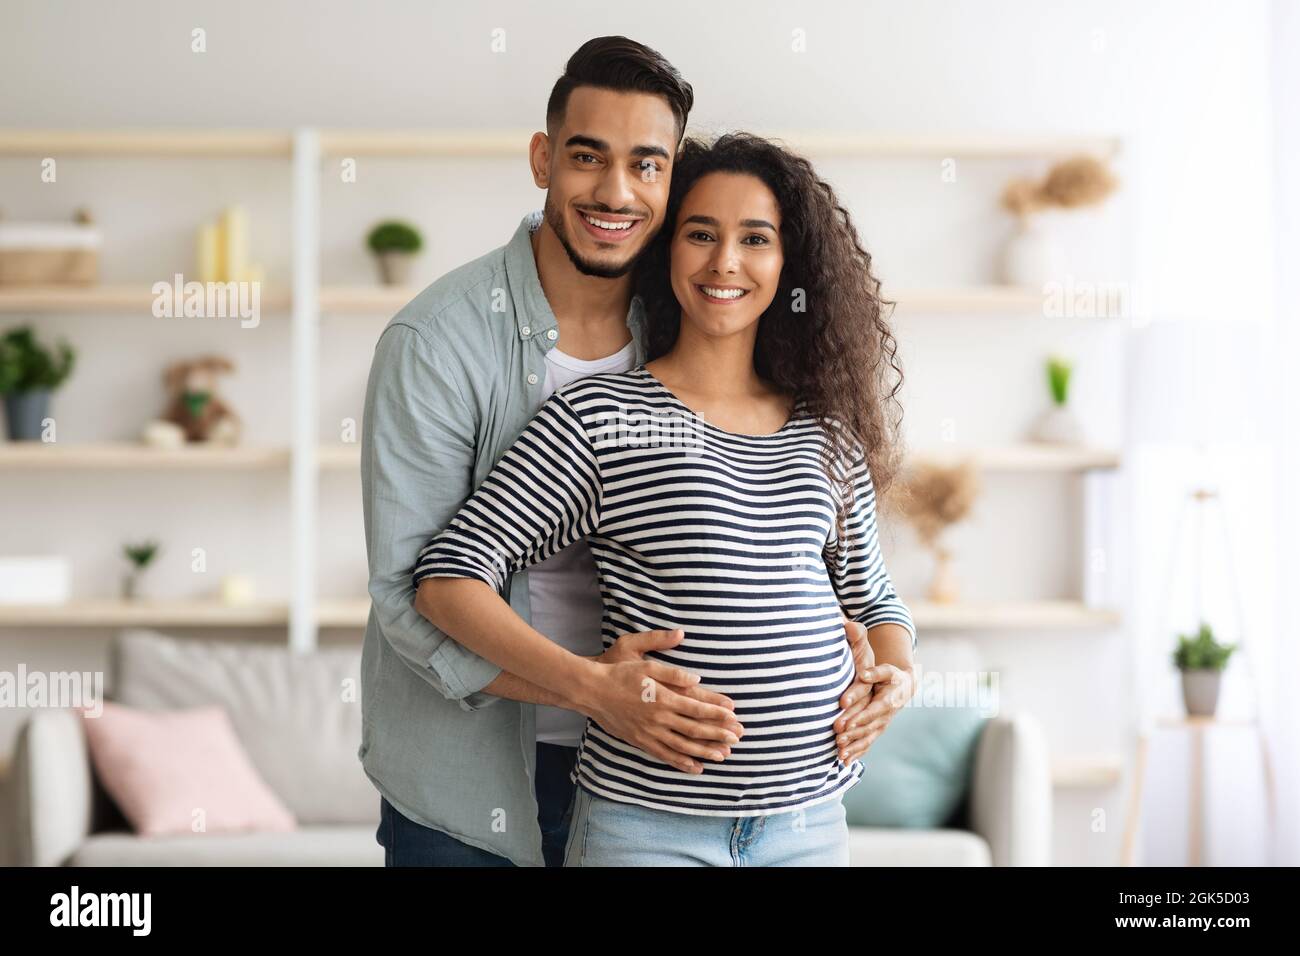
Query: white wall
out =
(1185, 84)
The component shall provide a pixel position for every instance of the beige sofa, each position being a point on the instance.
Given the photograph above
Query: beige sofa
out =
(299, 717)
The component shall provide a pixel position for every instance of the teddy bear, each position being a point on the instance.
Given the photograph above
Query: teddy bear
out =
(194, 405)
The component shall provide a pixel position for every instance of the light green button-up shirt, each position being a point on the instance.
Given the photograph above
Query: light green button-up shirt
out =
(456, 375)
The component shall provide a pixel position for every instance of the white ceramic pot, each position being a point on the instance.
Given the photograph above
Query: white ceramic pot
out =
(1031, 257)
(1058, 426)
(1201, 691)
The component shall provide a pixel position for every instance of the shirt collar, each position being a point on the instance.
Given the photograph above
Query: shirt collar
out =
(533, 315)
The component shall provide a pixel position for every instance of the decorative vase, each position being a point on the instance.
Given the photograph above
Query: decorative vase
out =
(1201, 691)
(1031, 257)
(25, 411)
(1058, 426)
(130, 585)
(943, 586)
(394, 267)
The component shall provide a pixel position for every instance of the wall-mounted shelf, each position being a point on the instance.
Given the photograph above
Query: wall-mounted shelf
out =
(338, 457)
(1013, 615)
(384, 300)
(114, 613)
(146, 142)
(36, 456)
(1028, 456)
(135, 297)
(506, 142)
(514, 142)
(352, 613)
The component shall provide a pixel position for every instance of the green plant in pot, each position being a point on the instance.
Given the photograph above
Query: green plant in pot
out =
(394, 244)
(1201, 659)
(140, 555)
(1058, 425)
(29, 372)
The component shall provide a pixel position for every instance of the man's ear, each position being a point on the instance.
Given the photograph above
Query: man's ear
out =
(539, 159)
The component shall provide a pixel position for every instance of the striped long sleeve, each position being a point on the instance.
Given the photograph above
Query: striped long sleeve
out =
(541, 496)
(856, 566)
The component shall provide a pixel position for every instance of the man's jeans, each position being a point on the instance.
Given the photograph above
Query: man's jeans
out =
(407, 843)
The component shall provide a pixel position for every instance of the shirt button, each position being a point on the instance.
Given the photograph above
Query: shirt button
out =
(525, 331)
(552, 334)
(532, 378)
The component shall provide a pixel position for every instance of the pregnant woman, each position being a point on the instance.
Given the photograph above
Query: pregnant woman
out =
(727, 490)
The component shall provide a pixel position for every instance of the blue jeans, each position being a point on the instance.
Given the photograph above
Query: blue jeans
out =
(609, 833)
(407, 843)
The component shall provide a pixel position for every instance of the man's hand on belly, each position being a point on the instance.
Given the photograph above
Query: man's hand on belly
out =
(679, 722)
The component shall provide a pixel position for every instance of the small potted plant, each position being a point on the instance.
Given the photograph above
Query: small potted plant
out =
(1058, 425)
(28, 374)
(140, 555)
(394, 245)
(1201, 659)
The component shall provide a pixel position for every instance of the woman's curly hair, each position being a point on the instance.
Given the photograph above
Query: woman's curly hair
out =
(825, 339)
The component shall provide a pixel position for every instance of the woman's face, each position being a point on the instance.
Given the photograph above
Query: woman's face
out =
(726, 255)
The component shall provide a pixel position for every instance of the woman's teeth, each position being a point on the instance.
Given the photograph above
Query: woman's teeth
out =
(723, 293)
(611, 226)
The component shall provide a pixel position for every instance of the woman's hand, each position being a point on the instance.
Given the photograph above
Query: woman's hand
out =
(880, 692)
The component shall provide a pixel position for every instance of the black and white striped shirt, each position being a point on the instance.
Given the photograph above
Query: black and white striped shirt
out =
(731, 538)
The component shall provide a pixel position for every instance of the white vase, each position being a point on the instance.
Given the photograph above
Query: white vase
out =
(1031, 258)
(1058, 426)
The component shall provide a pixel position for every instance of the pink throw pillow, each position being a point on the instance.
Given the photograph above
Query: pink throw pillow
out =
(180, 771)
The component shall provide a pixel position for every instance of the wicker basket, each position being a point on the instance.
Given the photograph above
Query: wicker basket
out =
(54, 253)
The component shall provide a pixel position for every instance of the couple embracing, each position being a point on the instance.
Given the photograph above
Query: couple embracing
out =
(620, 478)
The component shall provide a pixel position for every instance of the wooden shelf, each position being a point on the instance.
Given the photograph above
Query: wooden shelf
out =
(112, 613)
(386, 300)
(109, 612)
(145, 142)
(177, 142)
(35, 455)
(339, 457)
(344, 613)
(1087, 772)
(507, 142)
(356, 300)
(135, 297)
(1009, 615)
(1028, 456)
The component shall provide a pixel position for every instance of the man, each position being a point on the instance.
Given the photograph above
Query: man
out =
(471, 761)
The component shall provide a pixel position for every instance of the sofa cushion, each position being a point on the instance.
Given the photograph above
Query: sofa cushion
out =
(170, 771)
(871, 846)
(307, 846)
(297, 715)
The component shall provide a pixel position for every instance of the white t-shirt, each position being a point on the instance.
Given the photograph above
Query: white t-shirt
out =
(562, 590)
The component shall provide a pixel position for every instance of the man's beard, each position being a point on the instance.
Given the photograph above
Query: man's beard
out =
(555, 219)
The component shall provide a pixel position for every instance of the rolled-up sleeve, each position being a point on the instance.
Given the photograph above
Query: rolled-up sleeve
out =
(856, 565)
(417, 466)
(543, 495)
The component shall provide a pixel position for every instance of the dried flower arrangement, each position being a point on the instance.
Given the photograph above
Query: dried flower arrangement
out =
(1070, 184)
(932, 497)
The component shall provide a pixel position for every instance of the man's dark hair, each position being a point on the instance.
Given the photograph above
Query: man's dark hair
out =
(625, 66)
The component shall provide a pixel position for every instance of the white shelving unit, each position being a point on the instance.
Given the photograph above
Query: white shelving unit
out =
(305, 300)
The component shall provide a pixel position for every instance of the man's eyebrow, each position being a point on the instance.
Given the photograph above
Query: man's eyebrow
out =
(591, 142)
(747, 223)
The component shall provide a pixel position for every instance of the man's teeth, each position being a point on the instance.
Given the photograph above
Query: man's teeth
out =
(723, 293)
(611, 226)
